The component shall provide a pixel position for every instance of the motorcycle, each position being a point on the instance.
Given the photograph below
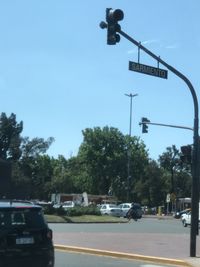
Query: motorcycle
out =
(132, 214)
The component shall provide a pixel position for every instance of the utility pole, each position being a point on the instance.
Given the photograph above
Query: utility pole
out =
(128, 151)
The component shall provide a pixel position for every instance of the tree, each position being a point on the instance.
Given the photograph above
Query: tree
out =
(103, 154)
(32, 172)
(151, 188)
(170, 161)
(10, 139)
(138, 162)
(179, 174)
(62, 179)
(36, 146)
(102, 151)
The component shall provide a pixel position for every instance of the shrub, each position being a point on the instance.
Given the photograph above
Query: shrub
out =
(78, 211)
(48, 209)
(60, 211)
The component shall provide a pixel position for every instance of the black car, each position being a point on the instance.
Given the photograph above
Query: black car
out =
(25, 238)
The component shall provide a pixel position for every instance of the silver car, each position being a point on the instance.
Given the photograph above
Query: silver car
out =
(124, 207)
(110, 209)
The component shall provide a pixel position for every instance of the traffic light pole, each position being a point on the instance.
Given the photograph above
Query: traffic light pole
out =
(195, 155)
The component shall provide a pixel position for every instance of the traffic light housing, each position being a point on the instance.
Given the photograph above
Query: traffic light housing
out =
(144, 125)
(186, 154)
(112, 18)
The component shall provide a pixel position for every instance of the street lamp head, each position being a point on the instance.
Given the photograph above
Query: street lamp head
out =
(134, 95)
(131, 95)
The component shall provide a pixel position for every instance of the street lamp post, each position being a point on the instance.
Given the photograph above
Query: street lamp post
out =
(129, 152)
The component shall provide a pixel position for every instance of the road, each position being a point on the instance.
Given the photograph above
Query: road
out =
(165, 238)
(146, 225)
(64, 259)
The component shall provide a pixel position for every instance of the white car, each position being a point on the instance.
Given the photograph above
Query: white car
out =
(68, 204)
(124, 207)
(110, 209)
(186, 219)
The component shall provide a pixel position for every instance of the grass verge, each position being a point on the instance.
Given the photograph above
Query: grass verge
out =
(84, 219)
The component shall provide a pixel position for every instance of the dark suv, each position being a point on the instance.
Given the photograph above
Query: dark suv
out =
(25, 239)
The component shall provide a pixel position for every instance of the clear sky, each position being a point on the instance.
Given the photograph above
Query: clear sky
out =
(58, 75)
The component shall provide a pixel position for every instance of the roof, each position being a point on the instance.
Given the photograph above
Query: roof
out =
(9, 203)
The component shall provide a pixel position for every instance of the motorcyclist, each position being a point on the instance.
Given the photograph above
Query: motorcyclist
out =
(132, 213)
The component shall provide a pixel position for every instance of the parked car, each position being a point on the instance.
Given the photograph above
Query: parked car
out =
(124, 207)
(110, 209)
(25, 238)
(68, 204)
(57, 206)
(178, 214)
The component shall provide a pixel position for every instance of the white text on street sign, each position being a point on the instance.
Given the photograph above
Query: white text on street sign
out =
(134, 66)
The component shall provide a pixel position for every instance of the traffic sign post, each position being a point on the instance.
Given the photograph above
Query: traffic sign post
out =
(196, 150)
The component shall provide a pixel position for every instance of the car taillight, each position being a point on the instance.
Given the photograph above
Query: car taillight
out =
(49, 234)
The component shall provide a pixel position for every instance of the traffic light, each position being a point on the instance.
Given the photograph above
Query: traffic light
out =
(144, 125)
(112, 18)
(186, 156)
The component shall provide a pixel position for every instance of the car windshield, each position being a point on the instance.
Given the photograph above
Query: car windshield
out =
(29, 218)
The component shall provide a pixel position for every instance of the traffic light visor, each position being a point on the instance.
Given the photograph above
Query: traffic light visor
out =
(115, 14)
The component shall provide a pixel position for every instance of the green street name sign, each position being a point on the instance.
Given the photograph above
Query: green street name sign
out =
(134, 66)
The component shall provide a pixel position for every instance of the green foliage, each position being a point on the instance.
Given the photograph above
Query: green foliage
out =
(178, 177)
(35, 147)
(104, 154)
(76, 211)
(151, 187)
(10, 139)
(79, 210)
(50, 210)
(99, 168)
(32, 173)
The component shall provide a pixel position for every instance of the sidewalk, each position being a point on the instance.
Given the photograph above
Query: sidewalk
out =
(157, 248)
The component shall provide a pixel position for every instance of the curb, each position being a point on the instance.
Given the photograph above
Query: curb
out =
(129, 256)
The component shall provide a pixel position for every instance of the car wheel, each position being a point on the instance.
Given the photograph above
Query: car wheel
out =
(184, 223)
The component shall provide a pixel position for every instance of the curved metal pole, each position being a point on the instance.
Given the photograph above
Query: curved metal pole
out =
(195, 156)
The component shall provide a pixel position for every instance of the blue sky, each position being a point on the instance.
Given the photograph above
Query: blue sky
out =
(58, 75)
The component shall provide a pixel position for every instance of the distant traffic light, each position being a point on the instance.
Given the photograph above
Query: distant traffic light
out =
(186, 155)
(144, 125)
(112, 18)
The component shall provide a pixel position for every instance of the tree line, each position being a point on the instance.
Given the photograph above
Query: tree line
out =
(100, 167)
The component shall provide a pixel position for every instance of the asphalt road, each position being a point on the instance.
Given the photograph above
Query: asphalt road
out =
(165, 238)
(145, 225)
(64, 259)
